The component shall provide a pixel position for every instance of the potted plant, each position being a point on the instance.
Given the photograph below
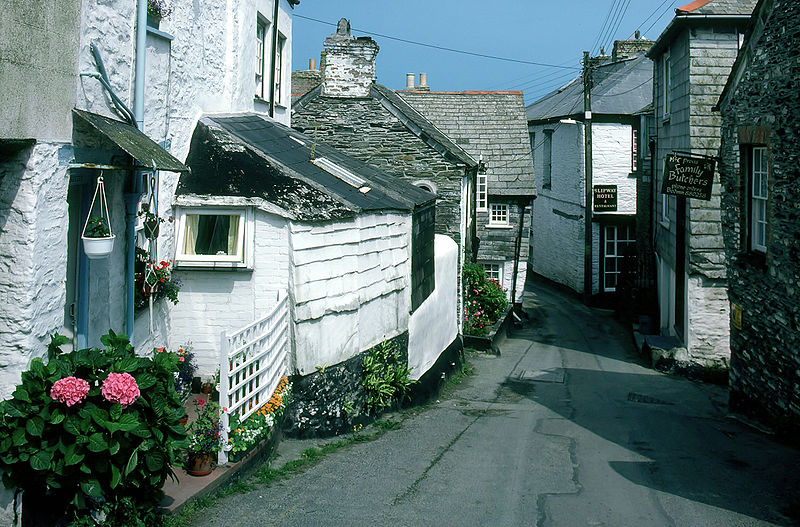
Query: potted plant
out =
(98, 241)
(151, 221)
(153, 278)
(204, 438)
(156, 10)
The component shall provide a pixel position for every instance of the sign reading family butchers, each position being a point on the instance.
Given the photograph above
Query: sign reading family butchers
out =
(688, 176)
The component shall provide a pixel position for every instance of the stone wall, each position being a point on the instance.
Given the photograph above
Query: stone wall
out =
(762, 110)
(364, 129)
(348, 64)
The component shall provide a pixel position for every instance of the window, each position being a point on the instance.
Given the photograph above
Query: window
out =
(634, 147)
(498, 215)
(547, 166)
(481, 194)
(208, 237)
(758, 199)
(532, 136)
(279, 67)
(618, 240)
(666, 82)
(261, 34)
(494, 271)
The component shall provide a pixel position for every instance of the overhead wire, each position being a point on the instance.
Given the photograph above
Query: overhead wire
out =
(443, 48)
(602, 27)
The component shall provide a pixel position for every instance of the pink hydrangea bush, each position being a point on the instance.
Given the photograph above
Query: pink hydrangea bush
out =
(69, 390)
(120, 388)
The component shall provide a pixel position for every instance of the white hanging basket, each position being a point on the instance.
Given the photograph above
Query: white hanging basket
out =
(98, 247)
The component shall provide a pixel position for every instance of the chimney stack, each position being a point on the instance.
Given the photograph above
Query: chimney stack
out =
(312, 64)
(409, 81)
(348, 69)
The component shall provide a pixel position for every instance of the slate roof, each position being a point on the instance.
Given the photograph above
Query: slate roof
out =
(488, 124)
(717, 7)
(416, 123)
(250, 156)
(723, 11)
(619, 88)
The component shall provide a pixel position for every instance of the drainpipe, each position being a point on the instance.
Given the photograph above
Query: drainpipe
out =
(132, 199)
(274, 59)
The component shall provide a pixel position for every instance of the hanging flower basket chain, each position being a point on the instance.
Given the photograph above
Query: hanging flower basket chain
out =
(98, 240)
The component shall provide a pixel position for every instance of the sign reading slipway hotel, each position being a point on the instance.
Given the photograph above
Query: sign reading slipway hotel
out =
(688, 176)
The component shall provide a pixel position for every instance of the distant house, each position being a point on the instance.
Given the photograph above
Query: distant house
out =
(691, 62)
(352, 113)
(760, 220)
(621, 86)
(266, 209)
(491, 127)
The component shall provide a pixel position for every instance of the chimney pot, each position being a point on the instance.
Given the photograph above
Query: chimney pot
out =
(409, 81)
(423, 80)
(312, 64)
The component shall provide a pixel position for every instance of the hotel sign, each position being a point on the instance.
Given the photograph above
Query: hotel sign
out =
(605, 198)
(688, 176)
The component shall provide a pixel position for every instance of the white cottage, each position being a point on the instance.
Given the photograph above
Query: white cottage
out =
(267, 210)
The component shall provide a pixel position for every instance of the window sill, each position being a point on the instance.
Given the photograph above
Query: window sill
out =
(500, 227)
(665, 120)
(212, 266)
(158, 33)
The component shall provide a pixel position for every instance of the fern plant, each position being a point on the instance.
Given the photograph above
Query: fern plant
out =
(386, 376)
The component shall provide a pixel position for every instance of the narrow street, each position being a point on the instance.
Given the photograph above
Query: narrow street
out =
(566, 428)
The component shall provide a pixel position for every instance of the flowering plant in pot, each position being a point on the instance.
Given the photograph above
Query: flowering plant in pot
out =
(98, 242)
(246, 433)
(204, 437)
(153, 278)
(92, 432)
(150, 220)
(484, 301)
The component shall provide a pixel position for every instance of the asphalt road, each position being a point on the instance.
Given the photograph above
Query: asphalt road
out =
(566, 428)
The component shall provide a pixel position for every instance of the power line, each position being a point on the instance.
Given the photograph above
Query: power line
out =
(443, 48)
(609, 28)
(660, 17)
(618, 21)
(603, 27)
(656, 10)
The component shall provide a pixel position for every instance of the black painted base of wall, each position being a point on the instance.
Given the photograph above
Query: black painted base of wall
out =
(785, 427)
(331, 401)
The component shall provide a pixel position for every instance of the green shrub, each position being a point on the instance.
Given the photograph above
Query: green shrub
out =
(484, 301)
(386, 376)
(99, 443)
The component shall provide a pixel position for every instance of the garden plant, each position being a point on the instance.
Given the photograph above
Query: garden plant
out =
(94, 433)
(484, 301)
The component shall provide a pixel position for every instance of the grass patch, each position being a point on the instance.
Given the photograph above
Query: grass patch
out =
(465, 369)
(266, 475)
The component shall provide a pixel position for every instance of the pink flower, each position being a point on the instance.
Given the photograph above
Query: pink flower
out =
(225, 409)
(69, 390)
(159, 350)
(181, 359)
(201, 402)
(120, 388)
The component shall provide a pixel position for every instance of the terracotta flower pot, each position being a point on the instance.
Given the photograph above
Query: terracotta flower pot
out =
(199, 464)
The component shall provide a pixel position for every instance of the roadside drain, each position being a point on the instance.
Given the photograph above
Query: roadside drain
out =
(645, 399)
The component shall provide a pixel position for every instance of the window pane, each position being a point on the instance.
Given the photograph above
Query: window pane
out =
(211, 234)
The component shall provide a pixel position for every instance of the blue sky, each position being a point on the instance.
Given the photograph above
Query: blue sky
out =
(547, 32)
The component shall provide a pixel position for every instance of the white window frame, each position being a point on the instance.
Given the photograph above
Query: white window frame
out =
(616, 255)
(492, 268)
(261, 37)
(244, 252)
(482, 193)
(499, 215)
(667, 85)
(634, 147)
(759, 196)
(279, 66)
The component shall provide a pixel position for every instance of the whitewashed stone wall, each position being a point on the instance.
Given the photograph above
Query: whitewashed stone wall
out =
(351, 287)
(33, 257)
(558, 230)
(434, 325)
(709, 338)
(215, 301)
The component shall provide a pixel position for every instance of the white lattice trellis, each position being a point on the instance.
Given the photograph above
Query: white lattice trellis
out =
(252, 361)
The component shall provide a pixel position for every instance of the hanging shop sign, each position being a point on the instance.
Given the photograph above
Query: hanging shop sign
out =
(605, 198)
(689, 176)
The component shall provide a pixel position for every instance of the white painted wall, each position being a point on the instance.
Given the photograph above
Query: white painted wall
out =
(558, 232)
(434, 325)
(215, 301)
(351, 286)
(709, 340)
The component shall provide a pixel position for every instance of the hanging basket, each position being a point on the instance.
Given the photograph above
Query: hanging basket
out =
(98, 240)
(97, 248)
(151, 228)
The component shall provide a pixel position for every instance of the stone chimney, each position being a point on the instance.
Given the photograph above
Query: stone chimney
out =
(348, 64)
(624, 49)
